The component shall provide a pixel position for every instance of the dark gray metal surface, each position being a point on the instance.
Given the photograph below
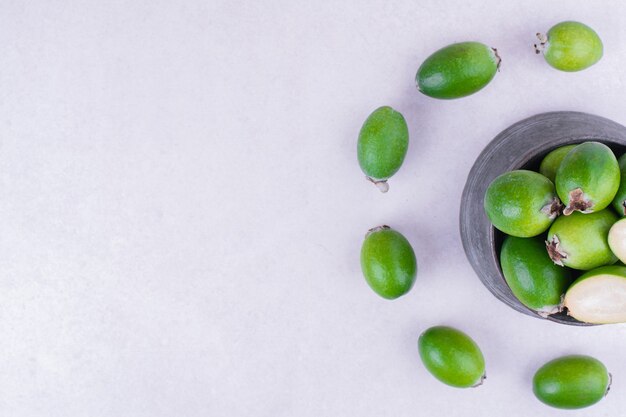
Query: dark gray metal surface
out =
(523, 145)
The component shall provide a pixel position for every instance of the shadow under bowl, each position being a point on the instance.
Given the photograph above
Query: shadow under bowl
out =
(522, 146)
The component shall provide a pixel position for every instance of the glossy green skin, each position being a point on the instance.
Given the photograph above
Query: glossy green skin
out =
(572, 46)
(551, 162)
(584, 238)
(570, 382)
(514, 203)
(618, 270)
(619, 201)
(532, 276)
(452, 357)
(383, 143)
(457, 70)
(388, 263)
(592, 167)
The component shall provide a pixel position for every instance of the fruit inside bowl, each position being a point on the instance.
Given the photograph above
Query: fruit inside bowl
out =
(510, 186)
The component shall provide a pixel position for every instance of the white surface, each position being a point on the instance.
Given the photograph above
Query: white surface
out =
(182, 210)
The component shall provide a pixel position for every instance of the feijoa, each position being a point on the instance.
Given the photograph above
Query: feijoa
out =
(521, 203)
(619, 201)
(598, 296)
(551, 162)
(532, 276)
(382, 146)
(569, 382)
(588, 178)
(388, 262)
(452, 357)
(617, 239)
(457, 70)
(580, 241)
(570, 46)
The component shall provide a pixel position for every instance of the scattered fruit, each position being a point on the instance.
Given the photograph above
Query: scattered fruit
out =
(382, 146)
(457, 70)
(452, 357)
(588, 178)
(388, 262)
(532, 276)
(521, 203)
(598, 296)
(580, 241)
(619, 201)
(552, 161)
(570, 46)
(570, 382)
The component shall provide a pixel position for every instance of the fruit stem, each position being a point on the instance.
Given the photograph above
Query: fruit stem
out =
(608, 387)
(498, 59)
(481, 380)
(553, 208)
(554, 251)
(578, 201)
(549, 310)
(377, 229)
(543, 40)
(382, 185)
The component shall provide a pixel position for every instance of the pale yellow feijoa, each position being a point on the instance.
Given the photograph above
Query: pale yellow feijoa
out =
(617, 239)
(598, 296)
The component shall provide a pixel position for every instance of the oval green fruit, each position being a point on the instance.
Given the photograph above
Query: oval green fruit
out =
(617, 239)
(388, 262)
(580, 241)
(570, 46)
(452, 357)
(532, 276)
(457, 70)
(619, 201)
(598, 296)
(521, 203)
(588, 178)
(570, 382)
(551, 162)
(382, 145)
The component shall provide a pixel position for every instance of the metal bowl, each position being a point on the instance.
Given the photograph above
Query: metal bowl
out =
(522, 146)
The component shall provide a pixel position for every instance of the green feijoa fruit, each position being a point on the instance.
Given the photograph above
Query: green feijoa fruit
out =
(570, 46)
(619, 201)
(617, 239)
(580, 241)
(452, 357)
(457, 70)
(588, 178)
(552, 161)
(573, 381)
(532, 276)
(388, 262)
(521, 203)
(598, 296)
(382, 146)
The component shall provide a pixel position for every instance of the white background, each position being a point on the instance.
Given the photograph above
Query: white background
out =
(181, 208)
